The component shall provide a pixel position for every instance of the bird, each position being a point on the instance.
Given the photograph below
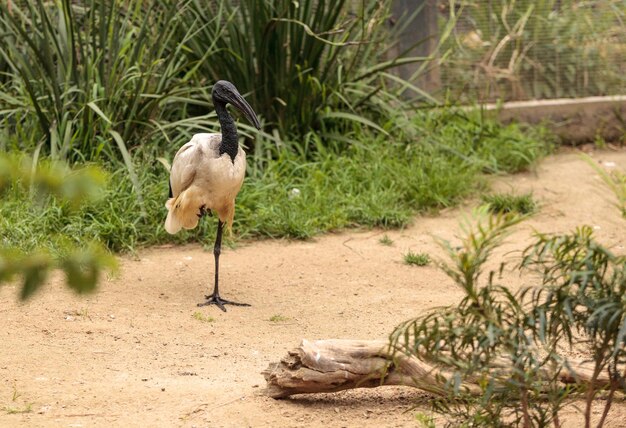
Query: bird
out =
(206, 175)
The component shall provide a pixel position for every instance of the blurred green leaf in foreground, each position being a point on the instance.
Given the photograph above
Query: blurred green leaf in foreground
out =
(82, 264)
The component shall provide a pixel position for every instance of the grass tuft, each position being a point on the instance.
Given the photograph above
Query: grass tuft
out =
(417, 259)
(386, 240)
(201, 317)
(18, 410)
(502, 203)
(278, 318)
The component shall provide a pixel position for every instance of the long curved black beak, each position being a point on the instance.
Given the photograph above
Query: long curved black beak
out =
(238, 101)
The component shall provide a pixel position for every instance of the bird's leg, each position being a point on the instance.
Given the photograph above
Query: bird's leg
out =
(215, 299)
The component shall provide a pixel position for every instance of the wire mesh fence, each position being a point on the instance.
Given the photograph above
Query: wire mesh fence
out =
(533, 49)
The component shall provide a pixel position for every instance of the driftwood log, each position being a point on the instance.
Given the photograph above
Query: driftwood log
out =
(334, 365)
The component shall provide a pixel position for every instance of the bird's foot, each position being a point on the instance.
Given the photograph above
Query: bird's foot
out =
(204, 211)
(216, 300)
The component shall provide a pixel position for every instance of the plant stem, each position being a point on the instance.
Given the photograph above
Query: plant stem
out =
(556, 420)
(524, 400)
(591, 391)
(609, 399)
(607, 406)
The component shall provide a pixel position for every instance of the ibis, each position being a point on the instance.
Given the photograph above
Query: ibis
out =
(206, 175)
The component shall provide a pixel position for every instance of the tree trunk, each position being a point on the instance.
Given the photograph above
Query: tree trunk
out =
(334, 365)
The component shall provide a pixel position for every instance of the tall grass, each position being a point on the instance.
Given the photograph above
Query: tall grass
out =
(92, 79)
(308, 65)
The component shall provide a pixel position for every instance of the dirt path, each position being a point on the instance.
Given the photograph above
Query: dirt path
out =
(134, 354)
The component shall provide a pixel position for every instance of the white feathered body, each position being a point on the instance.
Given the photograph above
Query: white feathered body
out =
(199, 177)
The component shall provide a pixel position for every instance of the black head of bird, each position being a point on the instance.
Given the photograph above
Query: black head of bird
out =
(225, 92)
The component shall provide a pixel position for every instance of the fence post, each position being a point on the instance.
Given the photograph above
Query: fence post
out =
(423, 31)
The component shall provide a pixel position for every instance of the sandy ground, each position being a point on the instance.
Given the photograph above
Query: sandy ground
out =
(133, 354)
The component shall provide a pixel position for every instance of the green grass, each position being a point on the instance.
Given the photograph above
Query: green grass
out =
(119, 84)
(386, 240)
(18, 410)
(313, 76)
(201, 317)
(278, 318)
(10, 410)
(98, 79)
(500, 203)
(417, 259)
(434, 162)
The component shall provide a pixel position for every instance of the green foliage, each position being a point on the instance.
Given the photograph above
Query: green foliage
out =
(310, 65)
(485, 338)
(476, 247)
(425, 421)
(15, 410)
(386, 240)
(483, 142)
(278, 318)
(94, 78)
(583, 288)
(82, 264)
(501, 351)
(379, 184)
(82, 267)
(49, 178)
(533, 49)
(203, 318)
(510, 203)
(417, 259)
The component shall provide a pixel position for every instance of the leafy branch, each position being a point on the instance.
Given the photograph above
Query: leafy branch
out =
(510, 343)
(82, 265)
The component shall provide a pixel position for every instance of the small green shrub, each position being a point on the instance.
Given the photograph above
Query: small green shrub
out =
(502, 203)
(94, 79)
(500, 351)
(417, 259)
(386, 240)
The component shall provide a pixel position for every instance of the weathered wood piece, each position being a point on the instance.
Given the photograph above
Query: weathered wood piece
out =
(333, 365)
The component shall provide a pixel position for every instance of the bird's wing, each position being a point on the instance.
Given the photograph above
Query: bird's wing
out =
(184, 168)
(188, 160)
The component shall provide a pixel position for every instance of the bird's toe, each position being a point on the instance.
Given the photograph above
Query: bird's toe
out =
(219, 302)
